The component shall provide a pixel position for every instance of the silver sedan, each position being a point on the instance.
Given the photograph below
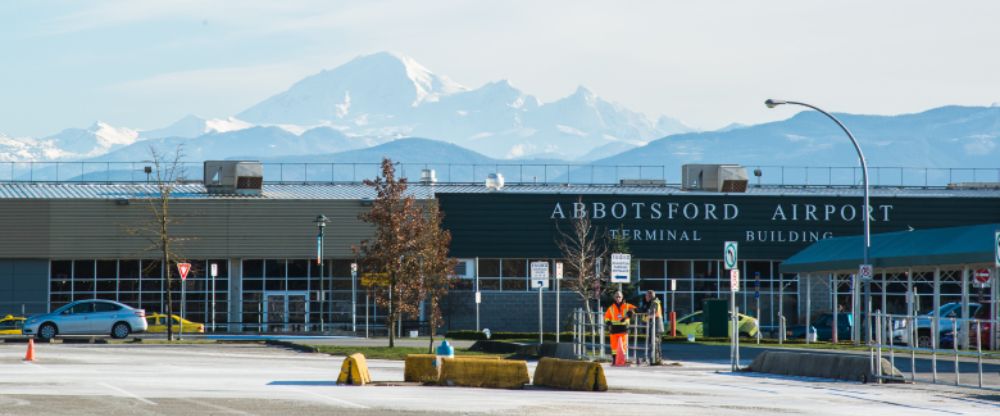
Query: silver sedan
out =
(87, 317)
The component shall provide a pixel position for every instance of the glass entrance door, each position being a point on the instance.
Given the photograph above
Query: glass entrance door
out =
(286, 311)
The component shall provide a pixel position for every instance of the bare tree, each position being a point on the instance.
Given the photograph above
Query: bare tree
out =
(581, 246)
(436, 267)
(392, 255)
(167, 170)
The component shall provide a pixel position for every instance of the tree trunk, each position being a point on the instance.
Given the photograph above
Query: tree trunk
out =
(430, 347)
(391, 316)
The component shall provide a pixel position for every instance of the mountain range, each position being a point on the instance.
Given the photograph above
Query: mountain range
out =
(365, 108)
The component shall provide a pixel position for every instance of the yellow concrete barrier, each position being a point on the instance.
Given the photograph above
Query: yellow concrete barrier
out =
(571, 375)
(354, 371)
(484, 372)
(420, 368)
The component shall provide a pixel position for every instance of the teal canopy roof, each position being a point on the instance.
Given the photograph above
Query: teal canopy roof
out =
(932, 247)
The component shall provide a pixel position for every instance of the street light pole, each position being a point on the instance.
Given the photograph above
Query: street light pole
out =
(320, 222)
(771, 103)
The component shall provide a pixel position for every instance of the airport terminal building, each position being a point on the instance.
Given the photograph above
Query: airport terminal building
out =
(67, 241)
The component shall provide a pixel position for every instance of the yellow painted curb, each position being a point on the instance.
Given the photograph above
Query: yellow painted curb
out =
(354, 371)
(571, 375)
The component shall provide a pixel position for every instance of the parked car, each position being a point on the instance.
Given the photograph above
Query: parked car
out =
(694, 324)
(157, 323)
(87, 317)
(823, 327)
(11, 325)
(983, 314)
(901, 331)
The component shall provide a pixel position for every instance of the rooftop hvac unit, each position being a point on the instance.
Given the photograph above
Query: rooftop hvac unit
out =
(239, 177)
(714, 178)
(494, 181)
(428, 176)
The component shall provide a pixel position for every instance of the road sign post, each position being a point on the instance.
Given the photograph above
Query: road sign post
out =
(559, 276)
(734, 287)
(182, 269)
(214, 271)
(354, 297)
(621, 267)
(730, 254)
(540, 281)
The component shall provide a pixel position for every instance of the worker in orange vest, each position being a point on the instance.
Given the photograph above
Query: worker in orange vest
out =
(617, 319)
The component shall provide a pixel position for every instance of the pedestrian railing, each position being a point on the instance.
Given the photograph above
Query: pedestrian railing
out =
(514, 173)
(948, 341)
(590, 342)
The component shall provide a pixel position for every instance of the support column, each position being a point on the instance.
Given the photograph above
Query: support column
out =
(964, 319)
(235, 297)
(936, 305)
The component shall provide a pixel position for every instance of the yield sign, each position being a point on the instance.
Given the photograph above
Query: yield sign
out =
(183, 269)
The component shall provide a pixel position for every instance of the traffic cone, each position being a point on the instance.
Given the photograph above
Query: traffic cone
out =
(620, 356)
(30, 355)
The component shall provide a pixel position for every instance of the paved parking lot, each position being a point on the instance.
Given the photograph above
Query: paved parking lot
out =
(254, 379)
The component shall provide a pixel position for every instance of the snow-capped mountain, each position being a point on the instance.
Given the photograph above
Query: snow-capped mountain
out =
(26, 149)
(69, 144)
(376, 88)
(388, 96)
(193, 126)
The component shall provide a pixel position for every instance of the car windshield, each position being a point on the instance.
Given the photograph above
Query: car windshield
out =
(11, 324)
(695, 317)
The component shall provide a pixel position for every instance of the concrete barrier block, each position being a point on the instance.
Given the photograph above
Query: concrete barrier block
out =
(484, 372)
(420, 368)
(570, 374)
(354, 371)
(853, 367)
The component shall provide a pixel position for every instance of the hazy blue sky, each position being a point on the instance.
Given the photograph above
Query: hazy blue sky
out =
(708, 63)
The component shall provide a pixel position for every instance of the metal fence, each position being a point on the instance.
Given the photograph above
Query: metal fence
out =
(961, 348)
(514, 173)
(644, 345)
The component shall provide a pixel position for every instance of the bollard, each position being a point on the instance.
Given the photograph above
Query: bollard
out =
(878, 344)
(601, 328)
(979, 350)
(673, 323)
(913, 347)
(892, 349)
(934, 339)
(954, 346)
(781, 330)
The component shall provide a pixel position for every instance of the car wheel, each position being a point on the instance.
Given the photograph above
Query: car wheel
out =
(47, 332)
(120, 330)
(924, 340)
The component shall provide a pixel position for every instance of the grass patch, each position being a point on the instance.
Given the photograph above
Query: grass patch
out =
(386, 353)
(162, 341)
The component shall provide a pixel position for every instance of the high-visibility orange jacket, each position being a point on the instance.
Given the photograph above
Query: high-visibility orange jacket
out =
(618, 315)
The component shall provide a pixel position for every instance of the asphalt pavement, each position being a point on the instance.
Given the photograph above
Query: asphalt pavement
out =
(252, 379)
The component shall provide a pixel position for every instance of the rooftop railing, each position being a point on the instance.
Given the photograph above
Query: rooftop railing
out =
(514, 173)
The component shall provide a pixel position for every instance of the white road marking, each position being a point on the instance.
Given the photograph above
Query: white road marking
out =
(333, 399)
(217, 407)
(128, 393)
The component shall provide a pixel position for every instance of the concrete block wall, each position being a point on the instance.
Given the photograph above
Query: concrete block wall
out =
(508, 311)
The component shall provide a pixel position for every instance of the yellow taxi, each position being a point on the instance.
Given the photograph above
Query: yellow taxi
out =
(157, 322)
(11, 325)
(694, 324)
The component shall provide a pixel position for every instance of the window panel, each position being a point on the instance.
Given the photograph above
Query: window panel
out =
(651, 269)
(298, 268)
(128, 269)
(514, 268)
(107, 269)
(253, 268)
(83, 269)
(274, 268)
(489, 268)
